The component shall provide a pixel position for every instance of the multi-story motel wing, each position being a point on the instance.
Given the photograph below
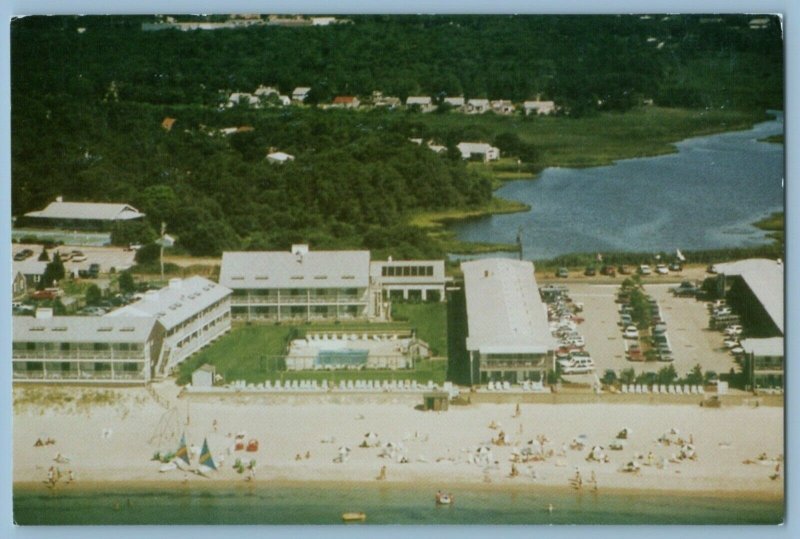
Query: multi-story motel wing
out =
(508, 334)
(84, 349)
(193, 312)
(301, 285)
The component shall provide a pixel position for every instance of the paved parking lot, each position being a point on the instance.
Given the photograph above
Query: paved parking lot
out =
(108, 257)
(687, 328)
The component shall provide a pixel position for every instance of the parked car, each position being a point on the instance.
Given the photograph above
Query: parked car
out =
(633, 352)
(664, 355)
(590, 271)
(734, 330)
(625, 320)
(686, 288)
(676, 266)
(562, 272)
(644, 269)
(23, 255)
(94, 270)
(630, 332)
(659, 329)
(609, 271)
(78, 256)
(662, 269)
(624, 270)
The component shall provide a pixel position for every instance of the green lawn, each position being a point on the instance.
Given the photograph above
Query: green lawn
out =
(430, 321)
(255, 353)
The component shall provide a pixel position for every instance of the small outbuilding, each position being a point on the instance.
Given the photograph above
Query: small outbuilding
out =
(437, 401)
(204, 376)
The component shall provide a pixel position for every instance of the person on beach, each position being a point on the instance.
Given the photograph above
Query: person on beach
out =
(514, 470)
(51, 476)
(382, 474)
(214, 425)
(517, 411)
(593, 481)
(308, 454)
(70, 477)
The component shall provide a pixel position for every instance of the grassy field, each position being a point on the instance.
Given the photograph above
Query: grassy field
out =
(255, 353)
(430, 321)
(776, 139)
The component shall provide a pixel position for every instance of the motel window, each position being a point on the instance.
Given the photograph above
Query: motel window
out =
(30, 345)
(35, 365)
(414, 270)
(65, 347)
(429, 271)
(66, 366)
(101, 346)
(102, 367)
(384, 271)
(406, 271)
(130, 367)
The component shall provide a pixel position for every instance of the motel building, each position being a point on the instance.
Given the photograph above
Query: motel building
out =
(422, 280)
(82, 215)
(83, 349)
(133, 344)
(301, 285)
(508, 337)
(193, 312)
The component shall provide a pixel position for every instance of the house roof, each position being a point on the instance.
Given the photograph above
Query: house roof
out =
(283, 269)
(175, 303)
(764, 347)
(29, 267)
(455, 101)
(167, 123)
(82, 329)
(300, 90)
(479, 102)
(537, 104)
(418, 100)
(474, 147)
(504, 311)
(280, 156)
(765, 279)
(101, 211)
(343, 99)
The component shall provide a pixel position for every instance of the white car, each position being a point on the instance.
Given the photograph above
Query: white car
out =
(734, 330)
(644, 269)
(662, 269)
(631, 332)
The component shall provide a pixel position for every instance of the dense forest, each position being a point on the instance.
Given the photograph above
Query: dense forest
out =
(89, 95)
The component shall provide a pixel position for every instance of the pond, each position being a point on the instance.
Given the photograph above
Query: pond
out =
(705, 196)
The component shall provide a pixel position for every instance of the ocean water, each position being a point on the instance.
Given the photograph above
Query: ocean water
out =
(705, 196)
(385, 504)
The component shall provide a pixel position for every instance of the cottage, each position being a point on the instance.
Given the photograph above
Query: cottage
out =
(539, 108)
(301, 93)
(31, 270)
(424, 103)
(244, 98)
(478, 106)
(455, 102)
(19, 285)
(379, 100)
(478, 150)
(502, 106)
(279, 158)
(346, 102)
(265, 91)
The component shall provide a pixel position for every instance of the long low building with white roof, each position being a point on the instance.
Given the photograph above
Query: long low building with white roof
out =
(193, 312)
(83, 215)
(508, 336)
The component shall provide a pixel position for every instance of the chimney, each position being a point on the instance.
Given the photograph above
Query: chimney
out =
(151, 295)
(44, 313)
(175, 283)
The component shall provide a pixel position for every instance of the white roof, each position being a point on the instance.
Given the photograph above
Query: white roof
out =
(175, 303)
(418, 100)
(283, 269)
(280, 156)
(474, 147)
(455, 101)
(30, 267)
(301, 90)
(479, 102)
(82, 329)
(504, 311)
(537, 104)
(87, 210)
(764, 347)
(765, 278)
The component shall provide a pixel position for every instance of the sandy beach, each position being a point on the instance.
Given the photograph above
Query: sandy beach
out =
(112, 439)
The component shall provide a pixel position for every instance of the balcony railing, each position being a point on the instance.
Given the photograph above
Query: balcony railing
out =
(66, 355)
(77, 375)
(297, 300)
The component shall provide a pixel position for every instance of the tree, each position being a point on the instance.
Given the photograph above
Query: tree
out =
(126, 283)
(627, 376)
(667, 375)
(53, 272)
(696, 376)
(93, 295)
(148, 254)
(43, 256)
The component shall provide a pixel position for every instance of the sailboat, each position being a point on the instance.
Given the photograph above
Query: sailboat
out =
(206, 463)
(181, 457)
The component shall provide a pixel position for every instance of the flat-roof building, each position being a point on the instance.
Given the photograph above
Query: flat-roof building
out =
(754, 288)
(765, 362)
(410, 279)
(508, 336)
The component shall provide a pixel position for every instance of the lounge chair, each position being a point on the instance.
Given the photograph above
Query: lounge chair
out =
(507, 386)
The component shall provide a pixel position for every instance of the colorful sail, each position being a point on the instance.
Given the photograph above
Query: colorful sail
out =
(182, 452)
(205, 457)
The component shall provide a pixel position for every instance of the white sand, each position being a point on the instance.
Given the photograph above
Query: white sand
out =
(286, 426)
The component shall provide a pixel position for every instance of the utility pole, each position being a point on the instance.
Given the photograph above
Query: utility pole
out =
(161, 256)
(519, 241)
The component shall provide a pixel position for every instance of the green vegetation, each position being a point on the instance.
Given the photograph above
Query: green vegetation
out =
(775, 139)
(87, 112)
(776, 225)
(428, 319)
(255, 353)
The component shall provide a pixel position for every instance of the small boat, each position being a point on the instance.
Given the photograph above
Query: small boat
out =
(444, 499)
(354, 517)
